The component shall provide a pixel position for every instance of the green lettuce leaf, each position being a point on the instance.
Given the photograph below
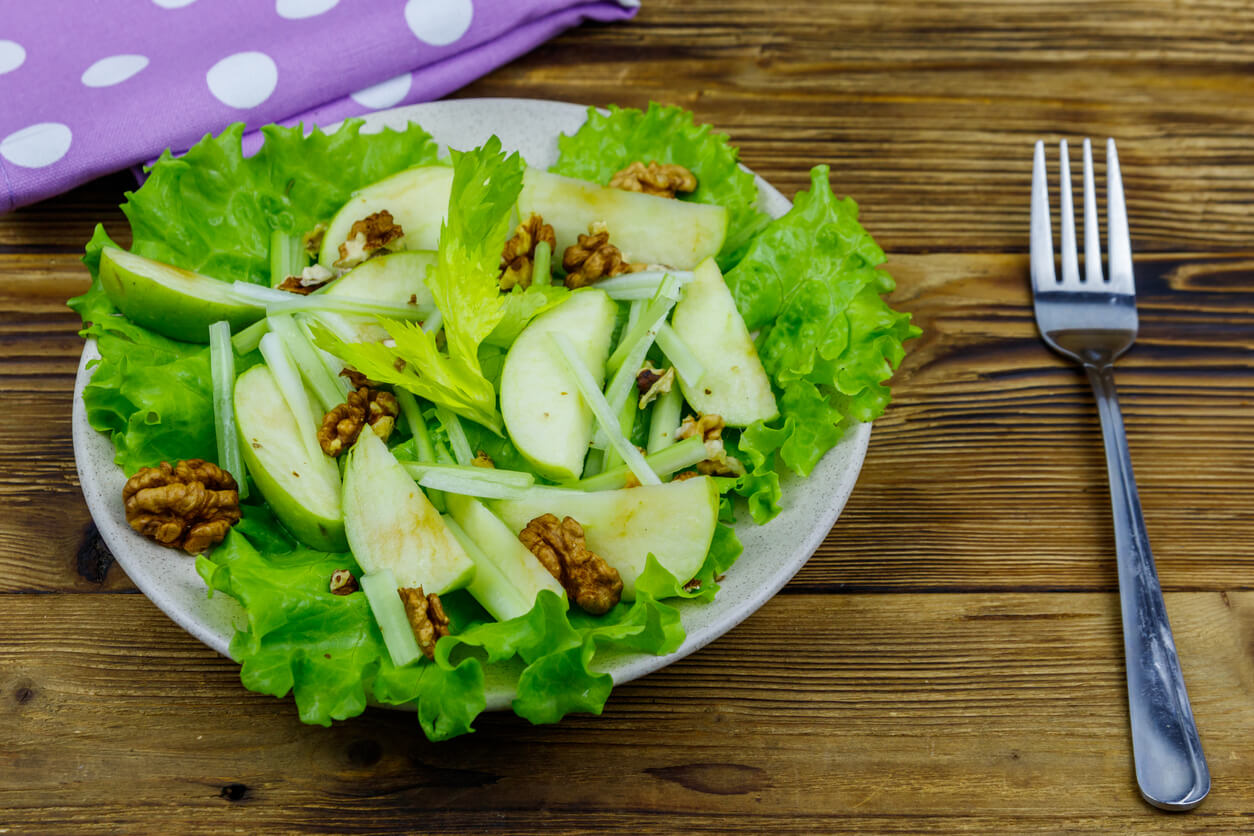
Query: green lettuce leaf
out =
(485, 188)
(610, 142)
(212, 209)
(810, 283)
(659, 583)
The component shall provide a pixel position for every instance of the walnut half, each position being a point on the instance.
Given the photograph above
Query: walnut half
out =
(341, 426)
(709, 428)
(518, 257)
(589, 581)
(190, 506)
(655, 179)
(426, 618)
(367, 237)
(593, 257)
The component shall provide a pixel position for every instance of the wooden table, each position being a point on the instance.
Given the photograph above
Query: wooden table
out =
(951, 657)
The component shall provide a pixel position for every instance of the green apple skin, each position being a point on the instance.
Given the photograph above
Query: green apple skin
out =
(544, 413)
(508, 586)
(647, 229)
(734, 384)
(304, 492)
(674, 521)
(391, 525)
(417, 199)
(175, 303)
(394, 278)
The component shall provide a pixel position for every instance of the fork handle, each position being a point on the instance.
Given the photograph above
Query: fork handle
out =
(1170, 767)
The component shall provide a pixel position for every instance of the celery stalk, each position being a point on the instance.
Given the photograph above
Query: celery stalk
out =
(222, 370)
(287, 256)
(686, 364)
(303, 352)
(653, 318)
(287, 376)
(664, 462)
(456, 436)
(601, 409)
(389, 613)
(280, 301)
(248, 339)
(412, 413)
(626, 423)
(664, 422)
(542, 264)
(486, 475)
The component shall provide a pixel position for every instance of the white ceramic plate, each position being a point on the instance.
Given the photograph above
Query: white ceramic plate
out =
(773, 553)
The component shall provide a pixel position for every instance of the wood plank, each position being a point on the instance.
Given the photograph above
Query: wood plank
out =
(921, 710)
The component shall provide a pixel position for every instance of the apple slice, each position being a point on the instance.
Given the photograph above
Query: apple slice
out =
(647, 229)
(547, 419)
(417, 199)
(674, 522)
(508, 585)
(303, 491)
(395, 278)
(173, 302)
(734, 384)
(391, 525)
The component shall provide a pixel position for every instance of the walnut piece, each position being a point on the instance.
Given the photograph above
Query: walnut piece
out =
(190, 506)
(519, 254)
(709, 428)
(343, 582)
(341, 426)
(652, 383)
(559, 546)
(312, 240)
(310, 279)
(655, 179)
(367, 237)
(593, 257)
(483, 460)
(426, 618)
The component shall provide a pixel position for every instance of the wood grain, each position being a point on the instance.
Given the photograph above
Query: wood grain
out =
(919, 711)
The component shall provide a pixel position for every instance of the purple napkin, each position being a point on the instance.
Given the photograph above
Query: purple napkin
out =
(89, 86)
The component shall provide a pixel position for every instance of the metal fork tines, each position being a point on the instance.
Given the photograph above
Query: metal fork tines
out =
(1092, 320)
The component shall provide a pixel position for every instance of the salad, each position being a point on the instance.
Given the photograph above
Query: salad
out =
(431, 418)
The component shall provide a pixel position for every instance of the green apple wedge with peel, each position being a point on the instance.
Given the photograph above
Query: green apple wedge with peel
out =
(544, 413)
(647, 229)
(734, 384)
(396, 278)
(674, 522)
(175, 303)
(303, 491)
(390, 524)
(508, 587)
(416, 198)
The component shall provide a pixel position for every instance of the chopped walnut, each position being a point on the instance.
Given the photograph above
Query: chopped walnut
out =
(357, 378)
(709, 428)
(519, 254)
(426, 618)
(652, 383)
(593, 257)
(655, 179)
(483, 460)
(559, 546)
(343, 582)
(368, 236)
(341, 426)
(190, 506)
(685, 475)
(312, 240)
(310, 279)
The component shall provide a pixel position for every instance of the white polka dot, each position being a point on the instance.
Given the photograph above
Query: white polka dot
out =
(173, 4)
(113, 70)
(386, 93)
(36, 146)
(438, 22)
(11, 56)
(297, 9)
(243, 80)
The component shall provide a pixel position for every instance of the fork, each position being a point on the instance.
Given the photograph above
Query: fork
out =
(1093, 320)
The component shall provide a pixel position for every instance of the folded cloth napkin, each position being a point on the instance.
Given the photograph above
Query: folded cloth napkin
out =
(93, 86)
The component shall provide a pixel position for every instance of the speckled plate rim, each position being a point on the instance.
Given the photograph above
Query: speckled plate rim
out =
(773, 553)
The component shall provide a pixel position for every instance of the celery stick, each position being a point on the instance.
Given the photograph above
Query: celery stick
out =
(542, 264)
(601, 409)
(664, 462)
(487, 475)
(287, 256)
(417, 426)
(626, 423)
(303, 352)
(622, 385)
(248, 339)
(288, 379)
(495, 592)
(330, 362)
(222, 370)
(654, 316)
(434, 322)
(594, 463)
(686, 364)
(664, 422)
(452, 481)
(456, 436)
(280, 301)
(646, 280)
(389, 613)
